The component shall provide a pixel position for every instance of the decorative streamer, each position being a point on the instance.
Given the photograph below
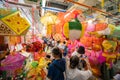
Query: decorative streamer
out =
(33, 23)
(6, 4)
(102, 3)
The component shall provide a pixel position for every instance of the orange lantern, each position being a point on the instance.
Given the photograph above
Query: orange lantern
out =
(100, 26)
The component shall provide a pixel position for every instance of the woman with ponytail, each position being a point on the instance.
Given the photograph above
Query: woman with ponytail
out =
(72, 71)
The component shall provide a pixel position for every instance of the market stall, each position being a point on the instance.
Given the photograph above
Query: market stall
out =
(29, 32)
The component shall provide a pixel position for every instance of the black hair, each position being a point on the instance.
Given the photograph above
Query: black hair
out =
(56, 51)
(48, 56)
(64, 42)
(58, 41)
(81, 50)
(74, 61)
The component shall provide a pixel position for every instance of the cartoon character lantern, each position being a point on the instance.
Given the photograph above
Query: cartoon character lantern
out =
(70, 23)
(72, 29)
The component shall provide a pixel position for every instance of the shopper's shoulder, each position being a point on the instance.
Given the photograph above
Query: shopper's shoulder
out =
(63, 59)
(52, 64)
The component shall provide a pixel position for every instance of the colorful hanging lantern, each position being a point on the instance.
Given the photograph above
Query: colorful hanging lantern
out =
(63, 18)
(72, 29)
(17, 23)
(104, 30)
(100, 26)
(48, 19)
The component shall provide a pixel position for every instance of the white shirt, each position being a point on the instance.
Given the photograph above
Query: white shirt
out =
(117, 77)
(76, 74)
(75, 53)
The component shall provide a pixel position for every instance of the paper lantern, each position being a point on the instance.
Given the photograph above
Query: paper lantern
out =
(49, 29)
(48, 19)
(72, 27)
(71, 14)
(17, 23)
(63, 18)
(105, 30)
(87, 41)
(100, 26)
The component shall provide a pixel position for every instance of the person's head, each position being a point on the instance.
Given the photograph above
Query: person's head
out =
(81, 50)
(64, 42)
(56, 52)
(53, 39)
(58, 42)
(74, 61)
(48, 57)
